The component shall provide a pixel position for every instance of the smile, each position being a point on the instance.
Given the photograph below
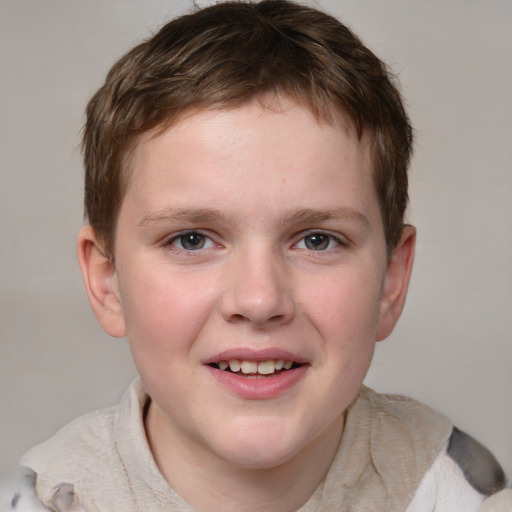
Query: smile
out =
(258, 379)
(255, 368)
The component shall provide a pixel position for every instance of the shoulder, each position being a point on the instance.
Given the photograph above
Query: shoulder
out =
(393, 441)
(81, 453)
(407, 424)
(402, 408)
(456, 473)
(461, 478)
(72, 460)
(85, 453)
(88, 437)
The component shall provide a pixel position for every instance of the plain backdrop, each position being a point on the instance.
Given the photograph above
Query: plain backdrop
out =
(453, 347)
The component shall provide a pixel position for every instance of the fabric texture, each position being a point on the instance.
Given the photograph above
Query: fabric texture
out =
(385, 460)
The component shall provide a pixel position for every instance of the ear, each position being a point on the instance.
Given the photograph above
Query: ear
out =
(396, 283)
(100, 279)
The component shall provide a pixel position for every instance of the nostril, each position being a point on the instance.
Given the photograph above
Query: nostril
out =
(272, 320)
(236, 318)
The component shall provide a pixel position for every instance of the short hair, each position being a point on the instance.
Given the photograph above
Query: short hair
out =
(225, 55)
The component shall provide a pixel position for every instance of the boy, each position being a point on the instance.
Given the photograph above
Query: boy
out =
(246, 182)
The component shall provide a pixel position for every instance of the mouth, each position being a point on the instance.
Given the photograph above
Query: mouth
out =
(258, 374)
(255, 369)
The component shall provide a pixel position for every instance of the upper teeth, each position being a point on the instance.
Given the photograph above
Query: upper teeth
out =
(262, 367)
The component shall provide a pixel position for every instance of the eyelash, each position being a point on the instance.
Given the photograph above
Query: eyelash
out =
(178, 241)
(181, 237)
(324, 237)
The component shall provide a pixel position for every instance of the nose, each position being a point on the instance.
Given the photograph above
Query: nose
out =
(258, 290)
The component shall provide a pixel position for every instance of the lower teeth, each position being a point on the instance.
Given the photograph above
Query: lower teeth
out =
(242, 374)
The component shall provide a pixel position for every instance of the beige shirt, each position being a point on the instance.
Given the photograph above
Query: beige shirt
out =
(388, 446)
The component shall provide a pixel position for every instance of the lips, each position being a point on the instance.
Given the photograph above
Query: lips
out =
(257, 374)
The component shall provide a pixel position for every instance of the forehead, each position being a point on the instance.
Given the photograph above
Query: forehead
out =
(197, 124)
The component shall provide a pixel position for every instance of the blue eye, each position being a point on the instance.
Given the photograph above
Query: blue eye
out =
(191, 241)
(318, 242)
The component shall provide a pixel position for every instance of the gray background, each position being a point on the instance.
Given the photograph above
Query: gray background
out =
(453, 347)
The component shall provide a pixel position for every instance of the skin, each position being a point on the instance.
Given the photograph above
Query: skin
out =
(259, 186)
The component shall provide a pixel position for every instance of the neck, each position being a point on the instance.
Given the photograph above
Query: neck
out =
(216, 484)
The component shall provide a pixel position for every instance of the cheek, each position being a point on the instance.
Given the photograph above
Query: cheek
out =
(345, 312)
(164, 312)
(345, 307)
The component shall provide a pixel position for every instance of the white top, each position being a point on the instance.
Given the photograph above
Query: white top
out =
(392, 457)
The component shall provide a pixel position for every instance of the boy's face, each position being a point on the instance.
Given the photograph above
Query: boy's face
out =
(252, 236)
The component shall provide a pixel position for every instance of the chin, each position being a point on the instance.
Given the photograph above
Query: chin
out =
(260, 448)
(258, 459)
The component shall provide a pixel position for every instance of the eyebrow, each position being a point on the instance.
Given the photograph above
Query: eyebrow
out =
(313, 216)
(306, 216)
(192, 215)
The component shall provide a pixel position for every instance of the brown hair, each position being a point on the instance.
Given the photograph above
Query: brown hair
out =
(225, 55)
